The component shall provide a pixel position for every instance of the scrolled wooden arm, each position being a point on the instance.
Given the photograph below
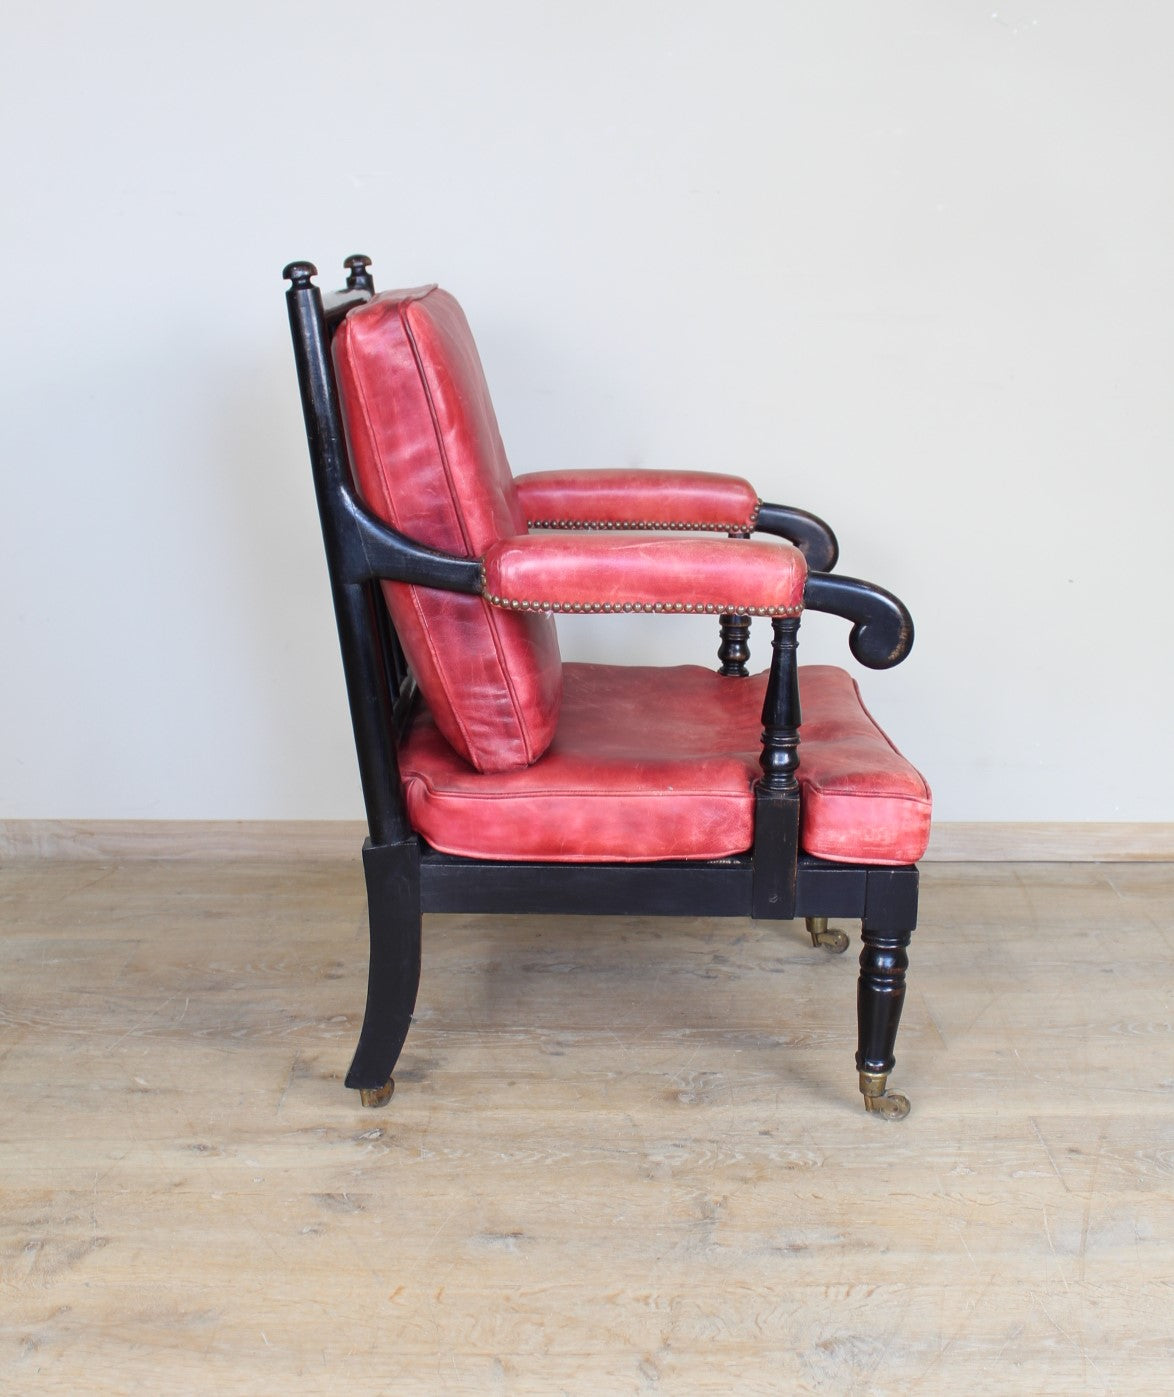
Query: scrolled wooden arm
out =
(808, 532)
(882, 629)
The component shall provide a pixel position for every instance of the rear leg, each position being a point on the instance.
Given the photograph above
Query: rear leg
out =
(393, 979)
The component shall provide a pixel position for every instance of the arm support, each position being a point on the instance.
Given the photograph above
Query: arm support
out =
(882, 631)
(590, 573)
(638, 499)
(606, 574)
(813, 538)
(372, 549)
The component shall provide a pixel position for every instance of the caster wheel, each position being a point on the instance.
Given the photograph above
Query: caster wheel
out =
(833, 939)
(892, 1106)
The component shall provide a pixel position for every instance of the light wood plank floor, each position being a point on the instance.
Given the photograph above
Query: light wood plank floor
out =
(624, 1156)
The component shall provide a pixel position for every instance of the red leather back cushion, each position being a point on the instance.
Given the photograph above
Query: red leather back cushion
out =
(429, 460)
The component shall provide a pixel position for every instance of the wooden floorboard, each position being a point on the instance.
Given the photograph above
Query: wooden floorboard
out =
(624, 1155)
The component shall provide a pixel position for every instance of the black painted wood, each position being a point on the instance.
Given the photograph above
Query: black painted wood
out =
(880, 996)
(776, 796)
(776, 849)
(386, 639)
(780, 709)
(734, 649)
(372, 706)
(679, 887)
(404, 708)
(337, 305)
(358, 277)
(372, 549)
(825, 889)
(882, 631)
(392, 872)
(813, 538)
(889, 918)
(891, 898)
(675, 888)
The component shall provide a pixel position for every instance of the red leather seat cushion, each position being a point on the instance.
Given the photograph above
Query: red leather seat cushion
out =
(659, 764)
(429, 460)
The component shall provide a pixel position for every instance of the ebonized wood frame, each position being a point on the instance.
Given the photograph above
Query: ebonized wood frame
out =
(406, 878)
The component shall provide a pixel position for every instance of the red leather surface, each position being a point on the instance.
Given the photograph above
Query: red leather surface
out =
(661, 763)
(862, 801)
(569, 572)
(636, 499)
(429, 460)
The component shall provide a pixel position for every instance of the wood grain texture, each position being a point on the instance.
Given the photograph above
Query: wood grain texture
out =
(1076, 842)
(624, 1156)
(957, 842)
(113, 840)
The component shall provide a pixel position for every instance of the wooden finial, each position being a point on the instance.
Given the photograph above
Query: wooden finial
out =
(300, 273)
(734, 650)
(358, 277)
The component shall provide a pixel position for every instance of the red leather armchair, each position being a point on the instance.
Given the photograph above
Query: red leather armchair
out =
(498, 778)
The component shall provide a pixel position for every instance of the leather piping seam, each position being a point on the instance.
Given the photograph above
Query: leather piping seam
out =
(646, 793)
(674, 524)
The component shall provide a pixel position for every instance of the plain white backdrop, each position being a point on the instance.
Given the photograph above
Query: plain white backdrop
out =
(906, 263)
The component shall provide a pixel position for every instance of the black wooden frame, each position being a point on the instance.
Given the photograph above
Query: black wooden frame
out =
(406, 878)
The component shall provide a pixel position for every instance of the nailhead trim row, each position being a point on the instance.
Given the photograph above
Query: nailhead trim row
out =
(685, 608)
(674, 524)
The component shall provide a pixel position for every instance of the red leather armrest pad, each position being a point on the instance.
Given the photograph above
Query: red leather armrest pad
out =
(585, 572)
(633, 499)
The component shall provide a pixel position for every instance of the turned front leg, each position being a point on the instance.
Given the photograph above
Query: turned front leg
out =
(880, 996)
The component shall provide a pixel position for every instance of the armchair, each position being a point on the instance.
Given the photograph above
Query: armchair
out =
(497, 778)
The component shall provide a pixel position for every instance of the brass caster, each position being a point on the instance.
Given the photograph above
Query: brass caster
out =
(377, 1096)
(834, 940)
(889, 1105)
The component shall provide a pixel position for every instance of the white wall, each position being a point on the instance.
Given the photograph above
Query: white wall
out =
(902, 262)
